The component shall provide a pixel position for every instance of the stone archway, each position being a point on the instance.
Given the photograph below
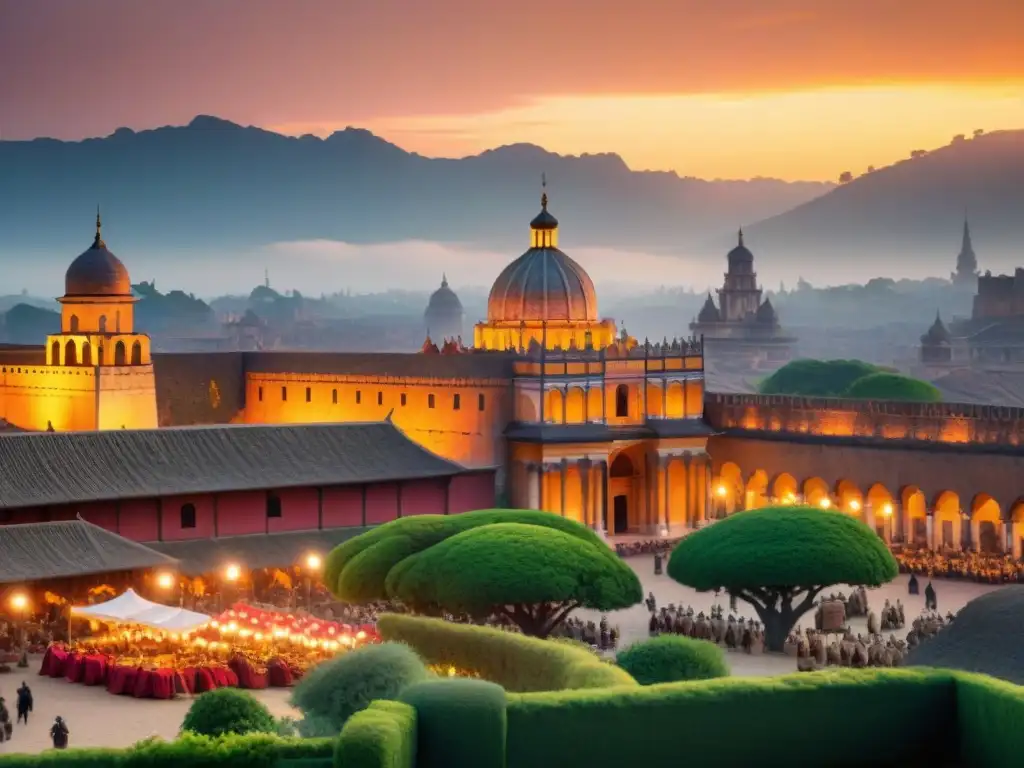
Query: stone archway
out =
(756, 495)
(728, 490)
(785, 489)
(915, 516)
(817, 493)
(623, 496)
(849, 499)
(947, 522)
(987, 533)
(1016, 518)
(880, 511)
(675, 401)
(554, 406)
(575, 405)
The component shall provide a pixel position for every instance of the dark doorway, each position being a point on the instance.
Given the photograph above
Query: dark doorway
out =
(988, 538)
(947, 533)
(920, 531)
(621, 401)
(621, 505)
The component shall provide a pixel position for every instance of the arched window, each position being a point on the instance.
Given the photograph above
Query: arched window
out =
(273, 505)
(119, 353)
(309, 394)
(188, 515)
(137, 353)
(74, 324)
(103, 323)
(55, 353)
(334, 396)
(621, 401)
(70, 353)
(86, 354)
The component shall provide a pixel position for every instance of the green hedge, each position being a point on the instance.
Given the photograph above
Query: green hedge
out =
(381, 736)
(990, 713)
(461, 723)
(673, 658)
(515, 662)
(840, 718)
(187, 751)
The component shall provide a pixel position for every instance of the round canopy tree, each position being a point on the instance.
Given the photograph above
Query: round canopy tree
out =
(779, 559)
(532, 575)
(893, 386)
(355, 570)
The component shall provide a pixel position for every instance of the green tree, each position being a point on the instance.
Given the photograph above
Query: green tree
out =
(779, 559)
(893, 386)
(533, 575)
(355, 570)
(228, 710)
(816, 378)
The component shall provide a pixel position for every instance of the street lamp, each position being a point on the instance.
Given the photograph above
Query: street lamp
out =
(232, 573)
(721, 492)
(313, 564)
(19, 603)
(854, 505)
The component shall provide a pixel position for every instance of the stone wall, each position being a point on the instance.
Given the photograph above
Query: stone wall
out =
(996, 427)
(199, 388)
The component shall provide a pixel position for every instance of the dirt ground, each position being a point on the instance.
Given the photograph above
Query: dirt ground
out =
(97, 719)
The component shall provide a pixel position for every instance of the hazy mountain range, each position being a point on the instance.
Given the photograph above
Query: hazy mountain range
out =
(212, 189)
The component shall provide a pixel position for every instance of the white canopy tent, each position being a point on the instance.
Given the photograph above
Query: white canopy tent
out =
(129, 608)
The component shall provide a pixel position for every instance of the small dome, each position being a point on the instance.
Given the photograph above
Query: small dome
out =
(444, 300)
(709, 312)
(542, 284)
(937, 335)
(740, 254)
(544, 219)
(97, 272)
(766, 313)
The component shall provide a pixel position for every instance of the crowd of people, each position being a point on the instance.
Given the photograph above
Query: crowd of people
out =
(646, 547)
(735, 633)
(598, 635)
(955, 564)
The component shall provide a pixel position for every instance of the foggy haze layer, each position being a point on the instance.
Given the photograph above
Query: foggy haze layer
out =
(318, 267)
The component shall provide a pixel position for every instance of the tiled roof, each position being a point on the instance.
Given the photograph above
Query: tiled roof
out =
(37, 551)
(44, 468)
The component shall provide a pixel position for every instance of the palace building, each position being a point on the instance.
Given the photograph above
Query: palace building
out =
(742, 325)
(553, 406)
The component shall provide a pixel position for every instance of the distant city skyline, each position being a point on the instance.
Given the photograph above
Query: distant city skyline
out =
(800, 90)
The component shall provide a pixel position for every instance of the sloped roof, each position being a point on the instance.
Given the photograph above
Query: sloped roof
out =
(273, 550)
(37, 551)
(69, 467)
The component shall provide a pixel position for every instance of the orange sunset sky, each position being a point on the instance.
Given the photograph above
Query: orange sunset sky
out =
(797, 89)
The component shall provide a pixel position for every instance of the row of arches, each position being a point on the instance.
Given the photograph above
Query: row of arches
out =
(577, 404)
(74, 325)
(73, 352)
(903, 514)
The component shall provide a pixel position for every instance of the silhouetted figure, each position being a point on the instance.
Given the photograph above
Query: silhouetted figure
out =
(59, 733)
(912, 586)
(657, 564)
(24, 702)
(930, 603)
(732, 602)
(6, 727)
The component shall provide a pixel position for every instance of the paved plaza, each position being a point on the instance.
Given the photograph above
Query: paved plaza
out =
(98, 719)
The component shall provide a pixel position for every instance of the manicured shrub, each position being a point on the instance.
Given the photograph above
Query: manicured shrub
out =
(331, 692)
(893, 386)
(672, 659)
(786, 721)
(479, 709)
(228, 710)
(381, 736)
(515, 662)
(816, 378)
(989, 713)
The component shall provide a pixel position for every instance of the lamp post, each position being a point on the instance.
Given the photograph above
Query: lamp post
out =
(165, 581)
(19, 605)
(232, 573)
(313, 565)
(720, 502)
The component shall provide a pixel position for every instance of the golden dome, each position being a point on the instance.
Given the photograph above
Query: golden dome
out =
(543, 283)
(97, 272)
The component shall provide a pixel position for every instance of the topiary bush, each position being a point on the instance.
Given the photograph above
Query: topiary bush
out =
(673, 658)
(228, 710)
(893, 386)
(816, 378)
(331, 692)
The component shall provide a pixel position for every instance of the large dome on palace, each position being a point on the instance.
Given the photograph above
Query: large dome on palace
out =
(97, 272)
(543, 283)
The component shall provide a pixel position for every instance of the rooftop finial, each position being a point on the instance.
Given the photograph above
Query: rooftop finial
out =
(444, 279)
(544, 192)
(98, 242)
(741, 235)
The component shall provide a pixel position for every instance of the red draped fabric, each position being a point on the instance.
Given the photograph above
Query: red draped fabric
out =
(95, 670)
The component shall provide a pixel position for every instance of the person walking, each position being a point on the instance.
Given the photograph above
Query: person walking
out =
(59, 733)
(24, 702)
(930, 602)
(6, 727)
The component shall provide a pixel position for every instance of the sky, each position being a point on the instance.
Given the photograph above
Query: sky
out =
(794, 89)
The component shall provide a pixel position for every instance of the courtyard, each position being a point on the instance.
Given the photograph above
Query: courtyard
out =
(98, 719)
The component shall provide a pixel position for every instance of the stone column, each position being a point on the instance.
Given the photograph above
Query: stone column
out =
(931, 530)
(1008, 539)
(708, 495)
(664, 398)
(564, 470)
(688, 509)
(585, 513)
(586, 404)
(565, 406)
(974, 528)
(602, 492)
(533, 485)
(664, 462)
(869, 516)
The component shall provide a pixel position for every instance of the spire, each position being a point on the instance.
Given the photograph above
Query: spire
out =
(98, 242)
(444, 280)
(966, 245)
(544, 227)
(266, 277)
(544, 191)
(741, 235)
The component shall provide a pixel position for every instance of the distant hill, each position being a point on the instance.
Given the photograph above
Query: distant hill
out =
(912, 211)
(213, 185)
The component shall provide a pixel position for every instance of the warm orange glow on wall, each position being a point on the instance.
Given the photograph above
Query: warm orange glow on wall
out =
(555, 334)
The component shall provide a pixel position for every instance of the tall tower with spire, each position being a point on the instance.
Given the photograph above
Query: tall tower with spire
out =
(966, 262)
